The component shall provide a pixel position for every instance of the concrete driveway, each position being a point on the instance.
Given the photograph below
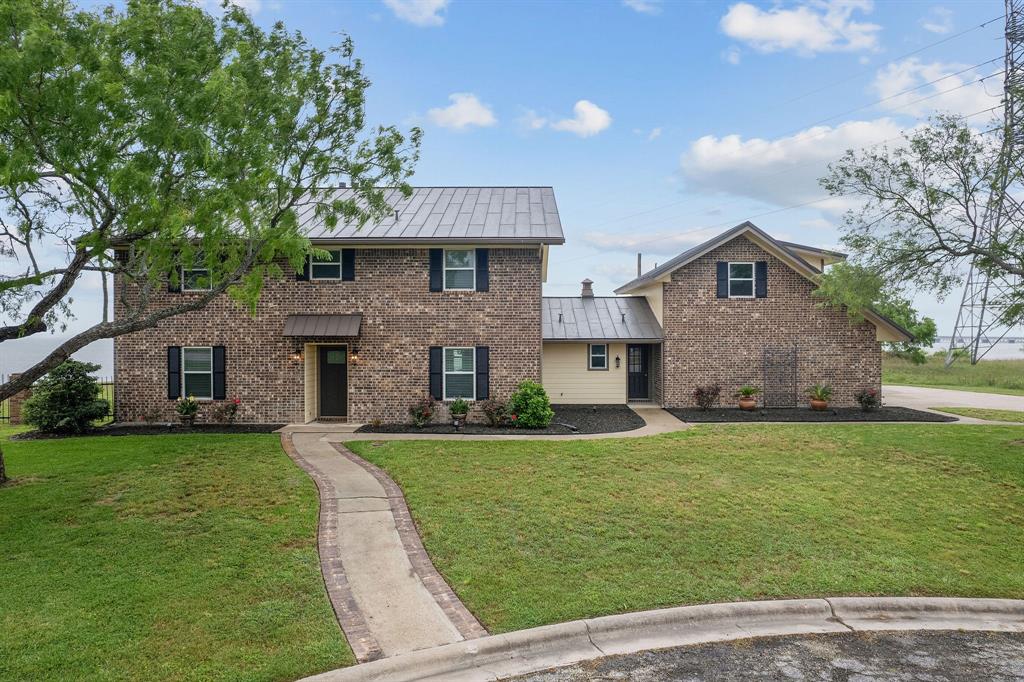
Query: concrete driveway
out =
(920, 398)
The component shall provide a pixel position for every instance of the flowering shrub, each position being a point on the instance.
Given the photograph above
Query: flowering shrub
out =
(495, 411)
(228, 411)
(706, 396)
(869, 400)
(422, 411)
(187, 407)
(529, 407)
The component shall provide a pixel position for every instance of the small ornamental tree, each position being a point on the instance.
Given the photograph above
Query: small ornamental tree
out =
(529, 407)
(67, 400)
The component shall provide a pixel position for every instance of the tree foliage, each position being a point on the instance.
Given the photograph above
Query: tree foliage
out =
(170, 137)
(856, 288)
(67, 400)
(921, 209)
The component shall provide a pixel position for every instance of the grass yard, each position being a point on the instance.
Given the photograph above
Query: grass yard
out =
(982, 413)
(989, 376)
(529, 533)
(161, 558)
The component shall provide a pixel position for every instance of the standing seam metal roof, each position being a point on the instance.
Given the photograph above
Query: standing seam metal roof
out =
(450, 214)
(601, 318)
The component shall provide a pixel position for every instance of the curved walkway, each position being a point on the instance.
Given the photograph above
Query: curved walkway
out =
(924, 398)
(552, 646)
(385, 592)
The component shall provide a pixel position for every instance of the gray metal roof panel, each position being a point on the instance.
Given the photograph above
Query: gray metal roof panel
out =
(598, 318)
(323, 325)
(444, 214)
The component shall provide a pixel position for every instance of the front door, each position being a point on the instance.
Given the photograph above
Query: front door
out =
(333, 363)
(638, 363)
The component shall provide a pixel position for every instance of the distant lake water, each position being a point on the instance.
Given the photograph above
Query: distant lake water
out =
(1004, 350)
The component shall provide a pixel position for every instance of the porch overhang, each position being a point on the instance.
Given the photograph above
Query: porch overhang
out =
(323, 326)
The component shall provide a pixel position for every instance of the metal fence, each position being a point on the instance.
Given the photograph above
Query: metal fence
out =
(106, 392)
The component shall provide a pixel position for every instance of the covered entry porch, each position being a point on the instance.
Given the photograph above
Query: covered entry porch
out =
(328, 348)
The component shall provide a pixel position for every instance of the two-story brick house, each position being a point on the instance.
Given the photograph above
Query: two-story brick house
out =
(444, 295)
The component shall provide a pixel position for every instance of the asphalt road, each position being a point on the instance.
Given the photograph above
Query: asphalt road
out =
(854, 657)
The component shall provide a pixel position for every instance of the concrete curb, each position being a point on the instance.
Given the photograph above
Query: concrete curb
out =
(549, 646)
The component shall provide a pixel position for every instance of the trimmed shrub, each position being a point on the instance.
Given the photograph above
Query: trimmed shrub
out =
(495, 411)
(707, 397)
(422, 411)
(67, 400)
(529, 407)
(869, 400)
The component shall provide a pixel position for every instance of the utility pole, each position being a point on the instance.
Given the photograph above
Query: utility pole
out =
(976, 330)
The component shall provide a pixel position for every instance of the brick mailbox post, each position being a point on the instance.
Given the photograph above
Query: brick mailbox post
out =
(16, 402)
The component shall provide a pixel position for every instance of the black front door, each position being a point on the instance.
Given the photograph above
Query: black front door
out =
(333, 381)
(638, 363)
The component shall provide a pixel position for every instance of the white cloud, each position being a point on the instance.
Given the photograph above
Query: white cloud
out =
(661, 242)
(654, 134)
(530, 120)
(818, 224)
(620, 271)
(783, 171)
(938, 20)
(732, 55)
(816, 26)
(588, 119)
(419, 12)
(644, 6)
(464, 111)
(960, 93)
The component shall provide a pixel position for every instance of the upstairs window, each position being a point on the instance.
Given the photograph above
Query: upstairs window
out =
(741, 280)
(196, 278)
(329, 268)
(459, 373)
(197, 372)
(459, 269)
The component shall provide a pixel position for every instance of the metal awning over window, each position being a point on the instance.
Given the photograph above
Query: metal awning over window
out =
(323, 325)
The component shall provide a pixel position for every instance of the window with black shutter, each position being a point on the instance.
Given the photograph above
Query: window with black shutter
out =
(436, 375)
(483, 372)
(483, 273)
(761, 279)
(437, 269)
(173, 372)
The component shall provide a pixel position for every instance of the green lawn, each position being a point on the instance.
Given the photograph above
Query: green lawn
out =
(982, 413)
(529, 533)
(161, 558)
(990, 376)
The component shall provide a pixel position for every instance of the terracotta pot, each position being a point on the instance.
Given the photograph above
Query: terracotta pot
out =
(748, 403)
(819, 405)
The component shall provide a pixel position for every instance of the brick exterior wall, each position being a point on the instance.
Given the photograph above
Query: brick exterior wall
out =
(711, 340)
(402, 318)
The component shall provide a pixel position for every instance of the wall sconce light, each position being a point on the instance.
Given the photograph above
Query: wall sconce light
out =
(297, 353)
(617, 362)
(355, 355)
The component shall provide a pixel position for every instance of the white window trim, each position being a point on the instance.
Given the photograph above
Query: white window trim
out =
(445, 269)
(590, 357)
(184, 393)
(753, 276)
(208, 287)
(445, 373)
(313, 262)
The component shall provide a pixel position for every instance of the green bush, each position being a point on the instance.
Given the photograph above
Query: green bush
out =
(529, 407)
(66, 400)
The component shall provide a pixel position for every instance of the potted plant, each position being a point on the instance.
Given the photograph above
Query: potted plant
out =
(187, 409)
(746, 395)
(820, 394)
(459, 408)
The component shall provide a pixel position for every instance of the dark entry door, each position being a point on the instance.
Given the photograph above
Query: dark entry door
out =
(333, 381)
(638, 363)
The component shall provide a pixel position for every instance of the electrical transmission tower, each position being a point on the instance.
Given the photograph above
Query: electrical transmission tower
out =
(977, 323)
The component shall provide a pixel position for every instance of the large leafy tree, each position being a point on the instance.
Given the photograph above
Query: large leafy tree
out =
(925, 210)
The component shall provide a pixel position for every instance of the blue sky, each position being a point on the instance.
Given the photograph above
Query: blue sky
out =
(658, 124)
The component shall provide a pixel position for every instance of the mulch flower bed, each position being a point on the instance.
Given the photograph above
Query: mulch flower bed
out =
(803, 414)
(153, 430)
(568, 419)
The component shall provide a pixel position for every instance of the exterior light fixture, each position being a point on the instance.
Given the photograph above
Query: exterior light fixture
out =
(617, 362)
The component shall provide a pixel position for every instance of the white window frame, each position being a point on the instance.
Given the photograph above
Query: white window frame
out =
(753, 276)
(313, 261)
(445, 373)
(185, 393)
(445, 269)
(184, 279)
(590, 356)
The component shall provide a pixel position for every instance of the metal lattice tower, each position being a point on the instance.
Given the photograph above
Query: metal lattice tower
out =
(977, 322)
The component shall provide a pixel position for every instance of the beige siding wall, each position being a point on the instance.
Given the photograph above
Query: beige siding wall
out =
(312, 357)
(655, 298)
(568, 381)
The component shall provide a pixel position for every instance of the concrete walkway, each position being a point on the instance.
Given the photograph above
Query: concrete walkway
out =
(921, 398)
(385, 592)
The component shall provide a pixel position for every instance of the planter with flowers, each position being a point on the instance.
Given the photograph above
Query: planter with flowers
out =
(747, 396)
(187, 409)
(820, 394)
(459, 408)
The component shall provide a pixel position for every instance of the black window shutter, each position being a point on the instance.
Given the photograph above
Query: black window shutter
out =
(483, 282)
(348, 265)
(219, 387)
(761, 279)
(303, 275)
(436, 361)
(173, 372)
(437, 269)
(483, 373)
(723, 279)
